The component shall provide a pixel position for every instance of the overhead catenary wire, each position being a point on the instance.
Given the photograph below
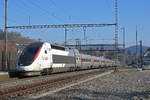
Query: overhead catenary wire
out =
(45, 11)
(11, 20)
(27, 9)
(22, 4)
(60, 8)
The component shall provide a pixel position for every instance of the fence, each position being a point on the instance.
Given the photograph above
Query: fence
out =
(12, 58)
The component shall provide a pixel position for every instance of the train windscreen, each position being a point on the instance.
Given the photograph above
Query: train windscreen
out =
(147, 57)
(147, 54)
(27, 56)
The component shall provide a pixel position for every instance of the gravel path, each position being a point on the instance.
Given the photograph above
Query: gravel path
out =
(131, 85)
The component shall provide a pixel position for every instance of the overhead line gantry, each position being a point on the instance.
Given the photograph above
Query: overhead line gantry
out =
(60, 26)
(65, 26)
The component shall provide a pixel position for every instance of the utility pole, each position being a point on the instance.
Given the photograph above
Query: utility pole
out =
(141, 54)
(136, 55)
(78, 44)
(65, 36)
(5, 31)
(116, 34)
(124, 43)
(85, 37)
(29, 20)
(123, 46)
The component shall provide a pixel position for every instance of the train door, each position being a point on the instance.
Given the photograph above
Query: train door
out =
(93, 62)
(46, 57)
(78, 59)
(50, 57)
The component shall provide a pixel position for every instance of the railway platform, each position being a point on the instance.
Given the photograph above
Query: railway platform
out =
(4, 74)
(8, 74)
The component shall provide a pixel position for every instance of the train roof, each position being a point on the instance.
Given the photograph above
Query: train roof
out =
(35, 44)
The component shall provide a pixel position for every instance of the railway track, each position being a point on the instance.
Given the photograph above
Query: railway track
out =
(8, 80)
(21, 90)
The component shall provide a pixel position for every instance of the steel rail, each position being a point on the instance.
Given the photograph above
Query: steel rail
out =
(35, 86)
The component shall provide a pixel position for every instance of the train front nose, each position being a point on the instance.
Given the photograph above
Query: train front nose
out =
(28, 56)
(25, 68)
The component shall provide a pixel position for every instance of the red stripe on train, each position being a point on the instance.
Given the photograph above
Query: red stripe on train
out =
(37, 54)
(80, 61)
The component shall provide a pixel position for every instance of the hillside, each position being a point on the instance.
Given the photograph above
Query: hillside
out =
(14, 39)
(132, 49)
(10, 46)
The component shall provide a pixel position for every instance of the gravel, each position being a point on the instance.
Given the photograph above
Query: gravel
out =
(131, 85)
(124, 85)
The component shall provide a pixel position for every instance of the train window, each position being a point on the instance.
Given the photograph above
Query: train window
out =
(57, 47)
(67, 49)
(29, 53)
(45, 51)
(147, 53)
(76, 58)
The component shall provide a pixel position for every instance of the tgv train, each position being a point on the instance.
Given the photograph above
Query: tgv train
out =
(44, 58)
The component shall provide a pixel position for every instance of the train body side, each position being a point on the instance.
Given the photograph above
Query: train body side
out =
(43, 58)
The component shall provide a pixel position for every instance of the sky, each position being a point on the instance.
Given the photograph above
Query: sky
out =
(55, 12)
